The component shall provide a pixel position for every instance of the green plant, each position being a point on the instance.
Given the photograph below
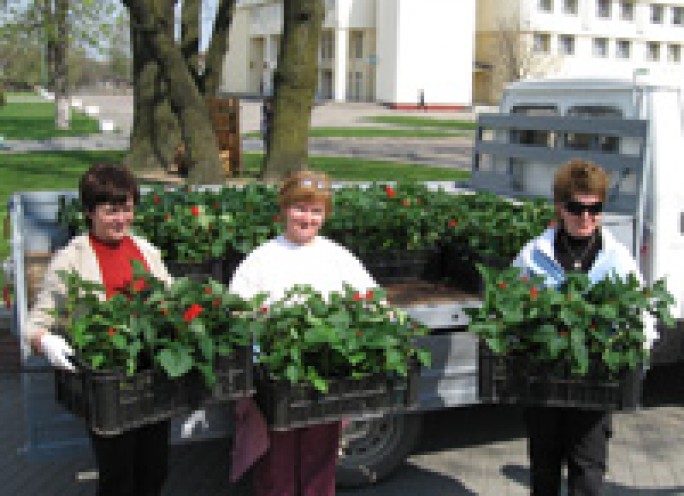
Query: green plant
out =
(576, 322)
(307, 338)
(178, 328)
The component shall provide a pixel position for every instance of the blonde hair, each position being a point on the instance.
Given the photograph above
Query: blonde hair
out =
(306, 186)
(579, 176)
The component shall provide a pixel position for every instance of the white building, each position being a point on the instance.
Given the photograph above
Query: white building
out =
(579, 38)
(454, 52)
(390, 51)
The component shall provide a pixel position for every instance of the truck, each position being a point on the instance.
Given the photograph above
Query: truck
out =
(632, 128)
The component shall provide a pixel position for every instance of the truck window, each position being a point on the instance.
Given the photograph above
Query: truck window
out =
(532, 137)
(581, 141)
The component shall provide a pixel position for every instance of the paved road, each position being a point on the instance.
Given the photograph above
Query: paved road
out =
(463, 452)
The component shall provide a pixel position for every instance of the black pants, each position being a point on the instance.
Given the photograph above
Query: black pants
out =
(134, 463)
(578, 437)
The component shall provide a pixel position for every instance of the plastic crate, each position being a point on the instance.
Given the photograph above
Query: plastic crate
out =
(398, 266)
(288, 406)
(517, 380)
(112, 402)
(198, 271)
(234, 376)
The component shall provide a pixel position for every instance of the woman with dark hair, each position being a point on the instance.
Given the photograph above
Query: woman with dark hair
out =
(133, 463)
(579, 243)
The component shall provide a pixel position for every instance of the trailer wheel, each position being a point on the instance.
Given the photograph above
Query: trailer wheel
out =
(370, 450)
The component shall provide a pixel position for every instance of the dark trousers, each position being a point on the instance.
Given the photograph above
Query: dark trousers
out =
(299, 462)
(578, 437)
(134, 463)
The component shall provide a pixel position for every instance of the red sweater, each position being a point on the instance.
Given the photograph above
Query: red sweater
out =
(115, 263)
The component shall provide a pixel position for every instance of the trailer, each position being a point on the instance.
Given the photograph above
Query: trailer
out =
(633, 129)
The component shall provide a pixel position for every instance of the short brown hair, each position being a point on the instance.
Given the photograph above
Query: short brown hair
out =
(579, 177)
(107, 183)
(306, 186)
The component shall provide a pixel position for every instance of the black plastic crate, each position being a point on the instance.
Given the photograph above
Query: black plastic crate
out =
(518, 380)
(287, 405)
(197, 271)
(399, 266)
(234, 376)
(460, 266)
(112, 402)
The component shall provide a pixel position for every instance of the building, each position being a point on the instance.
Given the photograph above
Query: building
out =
(396, 52)
(451, 53)
(615, 38)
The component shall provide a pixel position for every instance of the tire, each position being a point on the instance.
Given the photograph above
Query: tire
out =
(370, 450)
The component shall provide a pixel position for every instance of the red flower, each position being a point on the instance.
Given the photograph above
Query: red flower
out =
(156, 199)
(192, 312)
(217, 205)
(502, 285)
(207, 291)
(264, 309)
(357, 297)
(195, 210)
(167, 216)
(533, 293)
(563, 334)
(390, 192)
(593, 325)
(216, 302)
(137, 285)
(111, 331)
(405, 203)
(524, 278)
(164, 310)
(359, 333)
(369, 294)
(453, 223)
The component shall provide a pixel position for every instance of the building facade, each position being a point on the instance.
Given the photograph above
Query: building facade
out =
(612, 38)
(391, 51)
(453, 53)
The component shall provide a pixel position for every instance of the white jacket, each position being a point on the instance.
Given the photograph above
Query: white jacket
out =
(537, 258)
(78, 256)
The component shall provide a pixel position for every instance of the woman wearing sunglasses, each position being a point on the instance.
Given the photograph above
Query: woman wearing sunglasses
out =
(577, 244)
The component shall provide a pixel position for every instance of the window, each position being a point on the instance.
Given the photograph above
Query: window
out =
(600, 47)
(530, 137)
(327, 45)
(674, 53)
(627, 10)
(546, 5)
(656, 13)
(584, 141)
(357, 45)
(653, 51)
(678, 16)
(570, 7)
(566, 45)
(623, 49)
(542, 43)
(603, 9)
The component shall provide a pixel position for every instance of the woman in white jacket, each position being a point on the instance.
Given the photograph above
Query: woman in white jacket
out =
(579, 243)
(297, 462)
(133, 463)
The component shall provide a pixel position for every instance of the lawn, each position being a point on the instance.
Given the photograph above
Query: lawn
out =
(423, 122)
(36, 121)
(62, 170)
(371, 132)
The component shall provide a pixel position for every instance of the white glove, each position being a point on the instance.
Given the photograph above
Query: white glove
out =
(57, 351)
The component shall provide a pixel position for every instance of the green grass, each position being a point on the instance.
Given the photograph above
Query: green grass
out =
(369, 132)
(409, 121)
(36, 121)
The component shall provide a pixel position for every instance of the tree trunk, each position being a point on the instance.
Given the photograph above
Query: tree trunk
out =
(295, 83)
(155, 134)
(62, 103)
(187, 102)
(190, 34)
(216, 53)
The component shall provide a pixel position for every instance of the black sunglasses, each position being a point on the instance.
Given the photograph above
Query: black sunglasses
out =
(576, 208)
